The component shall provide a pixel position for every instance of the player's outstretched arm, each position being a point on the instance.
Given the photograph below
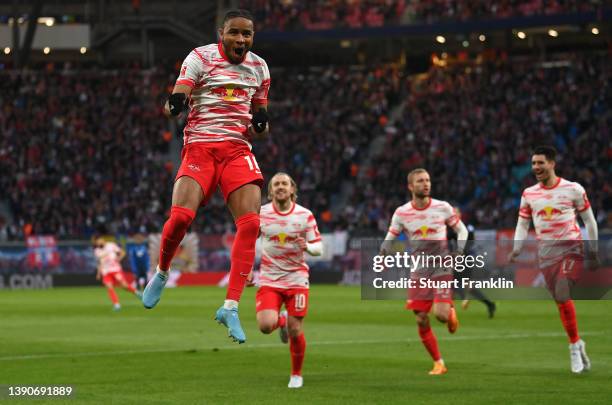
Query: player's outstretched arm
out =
(520, 234)
(121, 254)
(395, 229)
(385, 247)
(462, 236)
(592, 233)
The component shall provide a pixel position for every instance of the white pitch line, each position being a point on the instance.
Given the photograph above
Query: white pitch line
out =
(271, 345)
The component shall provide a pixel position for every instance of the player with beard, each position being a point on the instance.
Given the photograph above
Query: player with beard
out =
(226, 88)
(552, 204)
(288, 231)
(424, 221)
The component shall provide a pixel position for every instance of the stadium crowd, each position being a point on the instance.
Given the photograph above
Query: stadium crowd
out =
(473, 127)
(292, 15)
(90, 148)
(81, 149)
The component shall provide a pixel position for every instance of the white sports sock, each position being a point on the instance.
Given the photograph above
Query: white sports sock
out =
(230, 304)
(164, 274)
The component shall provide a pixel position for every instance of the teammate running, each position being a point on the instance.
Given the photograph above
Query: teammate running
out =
(424, 220)
(552, 205)
(109, 256)
(288, 230)
(227, 88)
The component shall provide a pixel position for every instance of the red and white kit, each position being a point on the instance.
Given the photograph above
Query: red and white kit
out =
(553, 211)
(110, 267)
(217, 150)
(426, 230)
(283, 271)
(222, 93)
(424, 225)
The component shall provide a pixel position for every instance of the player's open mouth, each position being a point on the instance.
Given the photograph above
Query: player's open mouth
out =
(239, 51)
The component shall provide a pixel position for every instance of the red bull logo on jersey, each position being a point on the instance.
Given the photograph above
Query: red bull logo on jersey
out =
(548, 213)
(282, 238)
(424, 231)
(230, 93)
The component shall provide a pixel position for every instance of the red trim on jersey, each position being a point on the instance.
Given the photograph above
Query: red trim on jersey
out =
(232, 110)
(314, 240)
(280, 213)
(456, 222)
(586, 207)
(392, 232)
(201, 57)
(187, 82)
(421, 209)
(220, 46)
(260, 100)
(553, 186)
(196, 121)
(253, 63)
(524, 216)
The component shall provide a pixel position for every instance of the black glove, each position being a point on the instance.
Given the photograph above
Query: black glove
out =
(260, 120)
(177, 103)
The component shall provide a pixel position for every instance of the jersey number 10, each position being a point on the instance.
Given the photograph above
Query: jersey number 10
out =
(300, 302)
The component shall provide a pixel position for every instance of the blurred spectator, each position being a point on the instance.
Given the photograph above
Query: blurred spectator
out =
(292, 15)
(83, 149)
(473, 128)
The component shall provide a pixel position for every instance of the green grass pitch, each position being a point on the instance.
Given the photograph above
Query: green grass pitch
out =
(358, 351)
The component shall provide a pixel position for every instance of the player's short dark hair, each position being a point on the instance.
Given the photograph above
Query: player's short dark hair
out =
(549, 151)
(238, 12)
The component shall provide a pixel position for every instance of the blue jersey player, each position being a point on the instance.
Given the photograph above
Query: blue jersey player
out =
(138, 255)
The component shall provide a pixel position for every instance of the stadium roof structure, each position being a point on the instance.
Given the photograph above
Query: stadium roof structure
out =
(157, 30)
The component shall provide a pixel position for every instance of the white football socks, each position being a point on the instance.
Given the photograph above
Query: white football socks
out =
(230, 304)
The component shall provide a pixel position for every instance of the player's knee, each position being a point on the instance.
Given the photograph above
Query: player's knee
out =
(294, 326)
(249, 223)
(266, 327)
(180, 217)
(442, 317)
(294, 330)
(422, 319)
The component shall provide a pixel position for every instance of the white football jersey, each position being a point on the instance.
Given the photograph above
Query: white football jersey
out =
(426, 228)
(108, 255)
(222, 93)
(283, 263)
(427, 223)
(553, 211)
